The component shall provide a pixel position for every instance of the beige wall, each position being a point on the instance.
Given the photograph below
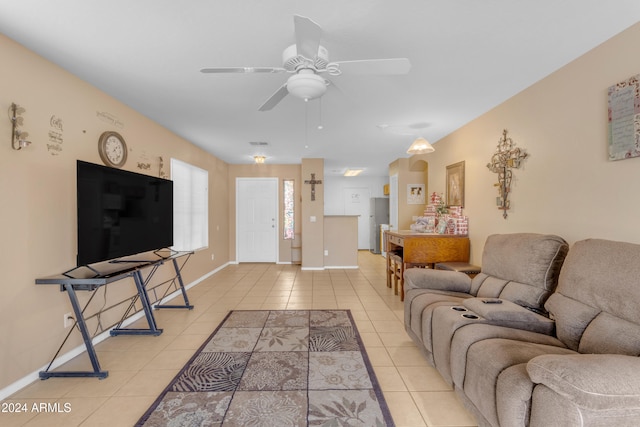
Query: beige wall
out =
(281, 172)
(38, 191)
(341, 241)
(312, 231)
(412, 170)
(566, 186)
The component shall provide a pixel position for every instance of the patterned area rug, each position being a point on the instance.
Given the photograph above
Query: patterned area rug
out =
(275, 368)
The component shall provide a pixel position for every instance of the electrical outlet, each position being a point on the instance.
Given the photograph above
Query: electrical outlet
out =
(213, 257)
(68, 319)
(326, 252)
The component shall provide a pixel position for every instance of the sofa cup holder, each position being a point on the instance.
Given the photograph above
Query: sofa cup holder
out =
(458, 308)
(470, 316)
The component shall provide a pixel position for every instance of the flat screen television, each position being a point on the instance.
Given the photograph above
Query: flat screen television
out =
(121, 213)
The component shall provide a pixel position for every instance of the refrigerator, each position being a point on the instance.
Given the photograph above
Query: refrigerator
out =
(378, 215)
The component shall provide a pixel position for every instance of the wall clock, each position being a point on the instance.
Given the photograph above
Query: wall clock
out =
(112, 149)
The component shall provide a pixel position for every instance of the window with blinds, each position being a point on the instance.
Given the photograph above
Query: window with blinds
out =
(190, 206)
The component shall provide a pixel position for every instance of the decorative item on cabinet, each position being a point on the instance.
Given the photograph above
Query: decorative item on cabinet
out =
(441, 219)
(506, 157)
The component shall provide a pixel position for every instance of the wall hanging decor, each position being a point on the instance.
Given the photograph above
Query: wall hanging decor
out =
(506, 157)
(313, 181)
(18, 136)
(455, 184)
(415, 194)
(624, 119)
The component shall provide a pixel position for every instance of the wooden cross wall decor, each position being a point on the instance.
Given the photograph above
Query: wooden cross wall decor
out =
(313, 181)
(506, 157)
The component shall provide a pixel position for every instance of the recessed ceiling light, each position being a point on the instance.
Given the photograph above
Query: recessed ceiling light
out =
(353, 172)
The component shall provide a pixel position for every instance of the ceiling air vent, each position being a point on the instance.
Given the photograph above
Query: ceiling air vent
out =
(258, 143)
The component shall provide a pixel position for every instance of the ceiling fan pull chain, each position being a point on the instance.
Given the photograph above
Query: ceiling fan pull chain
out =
(306, 122)
(320, 126)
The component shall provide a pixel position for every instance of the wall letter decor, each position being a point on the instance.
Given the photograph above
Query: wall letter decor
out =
(624, 119)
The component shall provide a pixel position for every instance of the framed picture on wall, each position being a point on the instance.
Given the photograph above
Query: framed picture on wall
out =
(455, 184)
(415, 194)
(624, 120)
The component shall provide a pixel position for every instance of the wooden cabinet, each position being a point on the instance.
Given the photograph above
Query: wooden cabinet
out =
(424, 250)
(428, 249)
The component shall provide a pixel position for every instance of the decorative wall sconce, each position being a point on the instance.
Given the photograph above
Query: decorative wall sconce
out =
(505, 158)
(18, 137)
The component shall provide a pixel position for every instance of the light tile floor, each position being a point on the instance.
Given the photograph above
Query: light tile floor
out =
(141, 367)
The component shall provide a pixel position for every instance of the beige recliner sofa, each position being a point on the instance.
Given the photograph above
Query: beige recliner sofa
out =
(586, 372)
(521, 269)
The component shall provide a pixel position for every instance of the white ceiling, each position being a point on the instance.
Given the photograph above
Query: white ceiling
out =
(467, 56)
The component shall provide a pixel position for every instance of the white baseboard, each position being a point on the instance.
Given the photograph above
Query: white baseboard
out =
(64, 358)
(329, 267)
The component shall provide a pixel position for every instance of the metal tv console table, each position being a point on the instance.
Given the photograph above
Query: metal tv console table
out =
(90, 278)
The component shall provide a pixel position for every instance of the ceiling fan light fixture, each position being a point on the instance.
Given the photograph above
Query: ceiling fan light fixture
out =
(420, 146)
(306, 85)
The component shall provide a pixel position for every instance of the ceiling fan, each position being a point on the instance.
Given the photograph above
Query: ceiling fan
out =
(306, 59)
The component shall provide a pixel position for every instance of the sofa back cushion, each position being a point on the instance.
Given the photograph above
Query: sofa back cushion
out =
(596, 303)
(520, 267)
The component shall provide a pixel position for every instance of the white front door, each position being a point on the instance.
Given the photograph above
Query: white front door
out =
(356, 202)
(257, 219)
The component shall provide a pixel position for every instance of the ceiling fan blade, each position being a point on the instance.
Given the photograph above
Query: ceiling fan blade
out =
(372, 66)
(308, 35)
(275, 98)
(242, 70)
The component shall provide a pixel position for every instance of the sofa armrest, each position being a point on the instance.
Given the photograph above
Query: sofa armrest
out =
(590, 381)
(511, 315)
(440, 280)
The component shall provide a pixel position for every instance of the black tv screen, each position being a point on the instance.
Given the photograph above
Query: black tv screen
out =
(121, 213)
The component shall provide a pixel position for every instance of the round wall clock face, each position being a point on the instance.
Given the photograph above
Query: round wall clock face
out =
(112, 149)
